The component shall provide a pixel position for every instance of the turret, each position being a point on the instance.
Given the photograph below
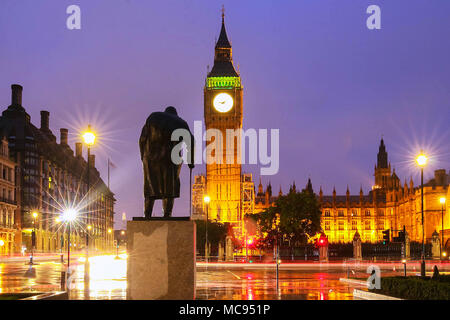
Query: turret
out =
(334, 194)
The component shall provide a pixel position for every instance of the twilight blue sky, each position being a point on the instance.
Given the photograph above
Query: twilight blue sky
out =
(310, 68)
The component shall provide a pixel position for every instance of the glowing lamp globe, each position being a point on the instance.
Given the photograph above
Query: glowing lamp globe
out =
(89, 137)
(442, 200)
(69, 215)
(206, 199)
(421, 160)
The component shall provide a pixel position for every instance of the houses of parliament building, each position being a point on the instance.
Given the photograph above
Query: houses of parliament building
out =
(389, 205)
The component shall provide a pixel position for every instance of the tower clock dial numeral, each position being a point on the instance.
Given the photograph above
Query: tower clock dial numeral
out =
(223, 102)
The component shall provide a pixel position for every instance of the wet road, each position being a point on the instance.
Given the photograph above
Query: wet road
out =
(107, 279)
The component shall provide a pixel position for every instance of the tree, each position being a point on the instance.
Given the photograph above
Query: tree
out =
(294, 217)
(217, 232)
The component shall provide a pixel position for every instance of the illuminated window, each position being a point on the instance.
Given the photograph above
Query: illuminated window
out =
(341, 213)
(327, 213)
(354, 212)
(367, 212)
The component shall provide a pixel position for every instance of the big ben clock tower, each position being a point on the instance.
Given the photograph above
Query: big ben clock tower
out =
(223, 110)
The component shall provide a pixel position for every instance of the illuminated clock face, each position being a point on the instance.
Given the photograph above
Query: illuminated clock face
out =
(223, 102)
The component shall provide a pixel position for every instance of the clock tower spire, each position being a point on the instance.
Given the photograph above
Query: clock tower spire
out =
(223, 110)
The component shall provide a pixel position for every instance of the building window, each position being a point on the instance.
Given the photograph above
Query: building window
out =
(354, 212)
(368, 213)
(341, 225)
(367, 225)
(327, 225)
(354, 225)
(327, 213)
(340, 213)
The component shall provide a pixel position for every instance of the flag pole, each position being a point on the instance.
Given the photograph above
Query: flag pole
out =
(108, 173)
(190, 192)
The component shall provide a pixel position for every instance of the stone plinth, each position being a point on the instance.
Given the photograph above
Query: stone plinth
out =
(161, 259)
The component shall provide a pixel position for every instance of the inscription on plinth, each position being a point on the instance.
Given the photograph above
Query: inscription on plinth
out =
(161, 260)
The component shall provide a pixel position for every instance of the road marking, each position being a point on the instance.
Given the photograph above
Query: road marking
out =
(239, 278)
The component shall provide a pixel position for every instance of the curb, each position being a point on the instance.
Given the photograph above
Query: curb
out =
(354, 281)
(365, 295)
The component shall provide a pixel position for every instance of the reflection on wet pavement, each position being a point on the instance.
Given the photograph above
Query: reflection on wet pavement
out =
(261, 285)
(106, 279)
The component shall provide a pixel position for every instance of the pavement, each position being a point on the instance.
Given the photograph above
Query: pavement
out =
(297, 280)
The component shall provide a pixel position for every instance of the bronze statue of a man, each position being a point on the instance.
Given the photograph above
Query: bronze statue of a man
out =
(161, 173)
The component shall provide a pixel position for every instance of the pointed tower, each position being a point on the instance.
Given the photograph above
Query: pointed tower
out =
(334, 194)
(309, 187)
(280, 193)
(260, 189)
(223, 109)
(382, 168)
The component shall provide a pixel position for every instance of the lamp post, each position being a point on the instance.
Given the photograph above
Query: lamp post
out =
(422, 161)
(442, 201)
(89, 139)
(68, 216)
(33, 236)
(88, 229)
(206, 200)
(61, 243)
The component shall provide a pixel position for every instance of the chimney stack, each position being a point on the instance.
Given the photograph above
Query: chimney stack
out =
(78, 149)
(63, 138)
(92, 160)
(440, 177)
(45, 115)
(16, 94)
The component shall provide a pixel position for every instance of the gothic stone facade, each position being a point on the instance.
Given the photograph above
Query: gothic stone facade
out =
(389, 205)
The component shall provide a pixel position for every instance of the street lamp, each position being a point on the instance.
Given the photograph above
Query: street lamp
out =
(68, 216)
(89, 139)
(33, 236)
(206, 200)
(442, 202)
(89, 227)
(422, 161)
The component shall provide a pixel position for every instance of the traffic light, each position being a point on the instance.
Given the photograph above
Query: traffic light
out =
(386, 236)
(400, 238)
(322, 241)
